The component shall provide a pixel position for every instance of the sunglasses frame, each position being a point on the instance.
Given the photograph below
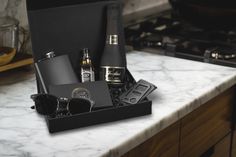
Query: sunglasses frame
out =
(63, 100)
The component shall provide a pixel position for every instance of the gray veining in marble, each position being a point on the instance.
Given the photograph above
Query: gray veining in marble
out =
(182, 87)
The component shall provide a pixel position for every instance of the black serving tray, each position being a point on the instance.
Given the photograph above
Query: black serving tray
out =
(98, 117)
(66, 27)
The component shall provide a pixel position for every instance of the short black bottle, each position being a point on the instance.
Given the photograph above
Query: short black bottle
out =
(113, 60)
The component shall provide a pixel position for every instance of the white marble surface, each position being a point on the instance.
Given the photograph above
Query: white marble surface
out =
(182, 86)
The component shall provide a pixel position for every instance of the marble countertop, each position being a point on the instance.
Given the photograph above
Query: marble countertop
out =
(183, 86)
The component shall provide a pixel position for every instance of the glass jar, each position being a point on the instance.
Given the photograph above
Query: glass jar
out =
(9, 39)
(9, 32)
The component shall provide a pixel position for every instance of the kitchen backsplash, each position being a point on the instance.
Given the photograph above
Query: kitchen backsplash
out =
(131, 6)
(17, 8)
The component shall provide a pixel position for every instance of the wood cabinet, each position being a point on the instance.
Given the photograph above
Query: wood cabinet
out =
(205, 132)
(164, 144)
(234, 145)
(204, 127)
(222, 148)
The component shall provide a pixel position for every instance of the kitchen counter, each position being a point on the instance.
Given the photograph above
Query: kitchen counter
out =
(183, 86)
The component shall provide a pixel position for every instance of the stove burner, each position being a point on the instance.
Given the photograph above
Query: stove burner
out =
(181, 39)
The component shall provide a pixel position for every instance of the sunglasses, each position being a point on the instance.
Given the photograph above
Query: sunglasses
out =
(47, 104)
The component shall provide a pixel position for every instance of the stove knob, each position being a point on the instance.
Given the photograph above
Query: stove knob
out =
(215, 55)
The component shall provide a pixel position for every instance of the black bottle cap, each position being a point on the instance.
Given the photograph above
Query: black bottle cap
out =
(85, 49)
(50, 54)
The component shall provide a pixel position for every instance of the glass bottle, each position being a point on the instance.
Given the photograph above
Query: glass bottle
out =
(87, 70)
(113, 61)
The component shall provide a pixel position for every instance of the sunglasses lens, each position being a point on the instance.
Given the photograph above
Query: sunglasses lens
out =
(79, 105)
(46, 104)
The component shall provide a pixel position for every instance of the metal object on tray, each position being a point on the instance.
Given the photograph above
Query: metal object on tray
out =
(138, 92)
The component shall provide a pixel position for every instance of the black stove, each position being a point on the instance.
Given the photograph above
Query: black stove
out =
(179, 38)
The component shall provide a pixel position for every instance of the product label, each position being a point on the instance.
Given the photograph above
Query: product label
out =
(87, 75)
(113, 75)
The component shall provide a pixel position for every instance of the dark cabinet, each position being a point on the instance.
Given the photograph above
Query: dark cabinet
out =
(204, 127)
(234, 144)
(205, 132)
(222, 148)
(163, 144)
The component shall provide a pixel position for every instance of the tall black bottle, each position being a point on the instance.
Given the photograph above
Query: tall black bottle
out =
(113, 60)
